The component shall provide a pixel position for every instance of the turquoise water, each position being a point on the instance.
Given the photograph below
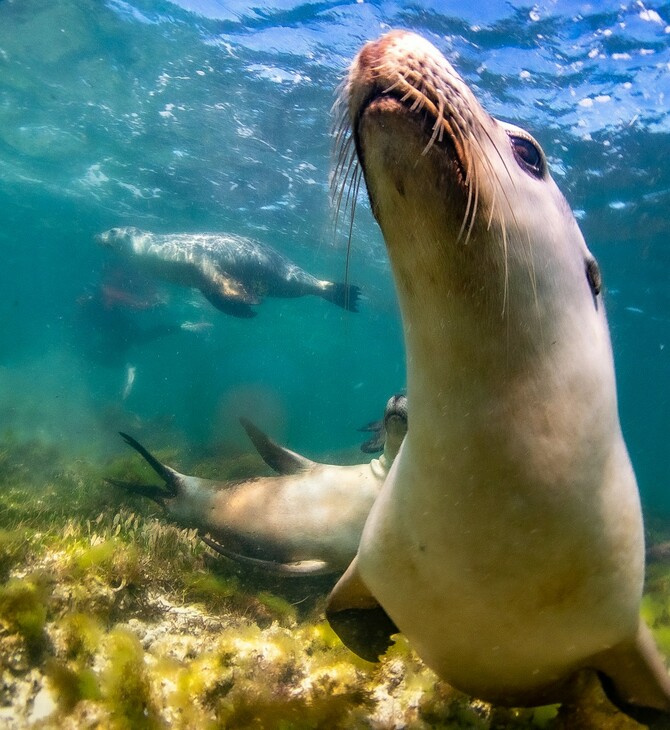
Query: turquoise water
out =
(215, 116)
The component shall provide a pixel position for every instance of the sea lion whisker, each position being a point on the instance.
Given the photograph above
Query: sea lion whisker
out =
(358, 175)
(440, 121)
(472, 182)
(394, 85)
(498, 187)
(499, 154)
(345, 154)
(476, 149)
(409, 94)
(506, 272)
(419, 102)
(467, 211)
(344, 183)
(351, 186)
(493, 208)
(473, 214)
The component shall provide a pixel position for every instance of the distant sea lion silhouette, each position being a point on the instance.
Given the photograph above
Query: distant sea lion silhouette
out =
(106, 334)
(232, 272)
(307, 521)
(507, 540)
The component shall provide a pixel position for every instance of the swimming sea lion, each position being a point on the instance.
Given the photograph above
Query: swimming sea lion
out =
(507, 541)
(307, 521)
(231, 271)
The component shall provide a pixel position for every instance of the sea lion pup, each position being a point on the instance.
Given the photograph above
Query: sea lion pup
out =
(506, 542)
(232, 272)
(306, 522)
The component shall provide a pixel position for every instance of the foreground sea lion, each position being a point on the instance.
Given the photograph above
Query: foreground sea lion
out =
(232, 272)
(307, 521)
(507, 540)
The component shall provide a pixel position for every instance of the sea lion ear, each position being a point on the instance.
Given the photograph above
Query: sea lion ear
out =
(357, 618)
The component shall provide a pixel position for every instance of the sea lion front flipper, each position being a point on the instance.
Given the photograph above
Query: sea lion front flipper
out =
(376, 442)
(282, 460)
(634, 676)
(227, 305)
(357, 618)
(296, 569)
(225, 292)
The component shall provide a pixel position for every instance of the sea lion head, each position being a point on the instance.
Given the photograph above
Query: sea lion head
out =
(395, 424)
(466, 203)
(119, 239)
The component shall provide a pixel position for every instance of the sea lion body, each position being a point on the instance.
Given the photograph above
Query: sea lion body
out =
(307, 520)
(507, 541)
(232, 272)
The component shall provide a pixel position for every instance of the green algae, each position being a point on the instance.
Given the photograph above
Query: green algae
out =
(132, 624)
(81, 635)
(255, 708)
(278, 606)
(13, 549)
(125, 683)
(114, 561)
(71, 683)
(212, 590)
(23, 611)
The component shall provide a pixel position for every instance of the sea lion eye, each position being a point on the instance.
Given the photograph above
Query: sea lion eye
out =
(594, 276)
(528, 155)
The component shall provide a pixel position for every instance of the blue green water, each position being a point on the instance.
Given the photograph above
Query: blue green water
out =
(215, 116)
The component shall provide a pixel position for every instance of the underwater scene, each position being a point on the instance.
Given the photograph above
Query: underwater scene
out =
(227, 300)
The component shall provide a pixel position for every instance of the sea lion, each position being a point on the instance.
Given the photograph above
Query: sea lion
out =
(307, 521)
(107, 333)
(507, 541)
(232, 272)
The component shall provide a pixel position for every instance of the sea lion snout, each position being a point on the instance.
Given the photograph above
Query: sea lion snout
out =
(103, 238)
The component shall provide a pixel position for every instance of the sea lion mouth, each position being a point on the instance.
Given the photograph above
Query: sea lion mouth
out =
(429, 127)
(402, 76)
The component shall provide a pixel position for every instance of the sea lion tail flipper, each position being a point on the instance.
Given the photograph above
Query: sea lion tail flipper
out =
(635, 678)
(152, 491)
(357, 618)
(282, 460)
(344, 295)
(171, 477)
(297, 569)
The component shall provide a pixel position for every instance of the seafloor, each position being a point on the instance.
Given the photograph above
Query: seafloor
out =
(111, 617)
